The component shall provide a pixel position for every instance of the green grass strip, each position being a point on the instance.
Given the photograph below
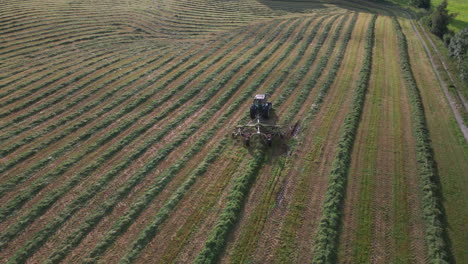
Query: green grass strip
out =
(327, 232)
(433, 211)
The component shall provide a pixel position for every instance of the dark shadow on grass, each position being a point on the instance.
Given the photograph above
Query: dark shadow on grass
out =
(379, 7)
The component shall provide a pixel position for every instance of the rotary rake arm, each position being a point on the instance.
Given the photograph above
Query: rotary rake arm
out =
(258, 129)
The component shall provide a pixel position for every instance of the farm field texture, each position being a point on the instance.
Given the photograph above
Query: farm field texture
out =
(116, 120)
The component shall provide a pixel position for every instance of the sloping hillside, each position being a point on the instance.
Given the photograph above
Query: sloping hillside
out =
(115, 135)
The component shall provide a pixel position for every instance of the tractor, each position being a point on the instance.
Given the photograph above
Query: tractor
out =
(260, 107)
(262, 123)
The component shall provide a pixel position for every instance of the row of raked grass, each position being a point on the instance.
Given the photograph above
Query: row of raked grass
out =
(75, 237)
(237, 195)
(218, 235)
(48, 36)
(155, 225)
(178, 72)
(123, 223)
(433, 211)
(126, 123)
(80, 202)
(60, 58)
(42, 71)
(297, 207)
(57, 43)
(157, 60)
(245, 244)
(27, 86)
(73, 77)
(129, 76)
(326, 239)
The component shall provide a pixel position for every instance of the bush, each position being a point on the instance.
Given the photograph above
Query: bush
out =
(458, 49)
(426, 4)
(440, 19)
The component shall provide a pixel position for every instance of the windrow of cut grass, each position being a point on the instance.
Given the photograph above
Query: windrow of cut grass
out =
(270, 90)
(50, 37)
(249, 237)
(26, 36)
(98, 63)
(41, 70)
(67, 87)
(55, 43)
(186, 21)
(136, 249)
(152, 63)
(107, 122)
(123, 223)
(382, 207)
(291, 225)
(144, 98)
(328, 229)
(217, 239)
(167, 177)
(435, 233)
(78, 203)
(130, 76)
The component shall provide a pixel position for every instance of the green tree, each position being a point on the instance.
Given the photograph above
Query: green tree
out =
(421, 3)
(440, 19)
(458, 49)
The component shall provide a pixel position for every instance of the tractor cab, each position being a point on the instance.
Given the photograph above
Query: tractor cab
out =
(260, 107)
(259, 99)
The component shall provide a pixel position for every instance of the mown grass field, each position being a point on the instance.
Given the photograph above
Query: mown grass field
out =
(115, 124)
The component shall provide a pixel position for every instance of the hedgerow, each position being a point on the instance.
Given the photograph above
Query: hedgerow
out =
(327, 232)
(435, 233)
